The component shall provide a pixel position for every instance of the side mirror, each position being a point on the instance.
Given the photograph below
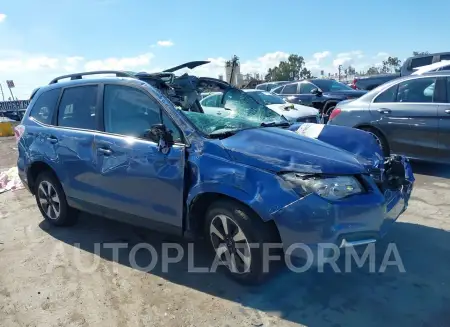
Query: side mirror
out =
(316, 91)
(161, 135)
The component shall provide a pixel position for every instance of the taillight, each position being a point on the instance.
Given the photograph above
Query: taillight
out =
(334, 113)
(353, 86)
(18, 132)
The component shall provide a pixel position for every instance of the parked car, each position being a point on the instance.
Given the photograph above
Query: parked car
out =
(408, 116)
(146, 154)
(216, 104)
(410, 64)
(322, 94)
(368, 83)
(270, 85)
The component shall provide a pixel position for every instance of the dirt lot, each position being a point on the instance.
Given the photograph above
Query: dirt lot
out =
(41, 286)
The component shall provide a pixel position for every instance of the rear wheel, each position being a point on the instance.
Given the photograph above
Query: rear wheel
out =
(51, 200)
(237, 235)
(380, 139)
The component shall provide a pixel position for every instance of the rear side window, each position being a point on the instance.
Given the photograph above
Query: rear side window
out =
(44, 107)
(445, 57)
(77, 107)
(388, 95)
(290, 89)
(277, 90)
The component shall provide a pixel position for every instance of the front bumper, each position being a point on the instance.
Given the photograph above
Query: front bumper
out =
(316, 223)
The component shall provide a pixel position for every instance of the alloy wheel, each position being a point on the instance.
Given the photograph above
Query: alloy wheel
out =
(49, 200)
(230, 244)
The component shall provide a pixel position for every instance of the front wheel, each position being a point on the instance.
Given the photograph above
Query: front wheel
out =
(51, 201)
(242, 241)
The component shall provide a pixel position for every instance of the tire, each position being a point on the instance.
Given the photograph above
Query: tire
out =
(247, 228)
(329, 108)
(51, 201)
(381, 140)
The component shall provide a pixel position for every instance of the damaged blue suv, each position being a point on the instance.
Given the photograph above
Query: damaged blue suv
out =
(137, 147)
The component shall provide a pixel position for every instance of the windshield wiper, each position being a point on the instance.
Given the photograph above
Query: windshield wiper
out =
(276, 124)
(223, 135)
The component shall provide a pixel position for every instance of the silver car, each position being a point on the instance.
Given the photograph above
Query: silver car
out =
(409, 115)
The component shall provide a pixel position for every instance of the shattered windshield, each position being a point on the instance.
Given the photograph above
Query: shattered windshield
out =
(266, 98)
(210, 124)
(239, 111)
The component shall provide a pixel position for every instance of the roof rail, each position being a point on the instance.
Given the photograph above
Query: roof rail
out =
(98, 72)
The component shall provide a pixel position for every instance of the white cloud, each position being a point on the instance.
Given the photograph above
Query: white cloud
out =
(165, 43)
(120, 63)
(2, 18)
(31, 70)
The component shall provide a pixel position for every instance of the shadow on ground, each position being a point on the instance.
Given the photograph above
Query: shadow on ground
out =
(431, 169)
(419, 297)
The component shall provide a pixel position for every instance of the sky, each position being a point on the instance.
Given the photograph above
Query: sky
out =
(44, 39)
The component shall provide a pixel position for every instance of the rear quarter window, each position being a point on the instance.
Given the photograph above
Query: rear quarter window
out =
(45, 105)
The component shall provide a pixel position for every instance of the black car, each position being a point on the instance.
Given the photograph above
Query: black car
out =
(370, 82)
(322, 94)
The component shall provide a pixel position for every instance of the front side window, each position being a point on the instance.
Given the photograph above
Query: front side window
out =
(416, 90)
(290, 89)
(45, 105)
(129, 111)
(77, 107)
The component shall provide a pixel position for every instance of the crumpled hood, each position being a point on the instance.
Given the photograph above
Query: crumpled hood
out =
(276, 149)
(297, 112)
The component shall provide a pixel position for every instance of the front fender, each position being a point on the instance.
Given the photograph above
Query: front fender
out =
(260, 190)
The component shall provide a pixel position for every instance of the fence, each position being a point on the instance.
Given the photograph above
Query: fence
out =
(13, 105)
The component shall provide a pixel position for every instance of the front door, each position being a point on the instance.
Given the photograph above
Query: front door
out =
(136, 181)
(406, 113)
(444, 123)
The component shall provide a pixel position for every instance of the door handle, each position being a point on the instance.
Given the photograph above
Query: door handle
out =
(52, 139)
(447, 111)
(384, 111)
(218, 113)
(105, 151)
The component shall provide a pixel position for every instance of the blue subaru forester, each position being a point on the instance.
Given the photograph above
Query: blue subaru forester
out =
(137, 148)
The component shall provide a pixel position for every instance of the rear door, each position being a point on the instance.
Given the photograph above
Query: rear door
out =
(407, 115)
(77, 122)
(135, 181)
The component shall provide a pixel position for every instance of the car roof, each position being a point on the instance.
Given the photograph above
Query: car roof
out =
(84, 81)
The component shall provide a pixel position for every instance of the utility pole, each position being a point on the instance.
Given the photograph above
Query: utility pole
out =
(1, 90)
(234, 63)
(340, 69)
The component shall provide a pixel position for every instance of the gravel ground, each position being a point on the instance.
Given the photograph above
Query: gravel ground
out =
(41, 286)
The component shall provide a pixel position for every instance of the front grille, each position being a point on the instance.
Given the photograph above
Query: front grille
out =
(307, 119)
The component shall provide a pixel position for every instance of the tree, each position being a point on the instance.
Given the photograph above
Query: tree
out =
(350, 70)
(419, 53)
(373, 71)
(292, 69)
(391, 64)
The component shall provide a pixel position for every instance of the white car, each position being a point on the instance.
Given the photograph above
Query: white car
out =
(214, 105)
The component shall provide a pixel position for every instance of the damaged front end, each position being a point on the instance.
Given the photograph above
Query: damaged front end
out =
(391, 174)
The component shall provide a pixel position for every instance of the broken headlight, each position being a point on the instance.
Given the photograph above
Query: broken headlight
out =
(328, 187)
